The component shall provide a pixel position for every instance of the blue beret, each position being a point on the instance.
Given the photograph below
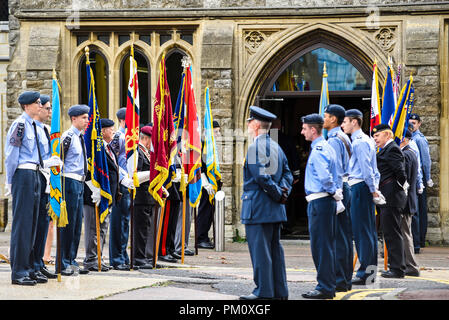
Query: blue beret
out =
(313, 118)
(28, 97)
(121, 113)
(260, 114)
(336, 110)
(44, 98)
(354, 113)
(78, 110)
(215, 124)
(380, 127)
(415, 116)
(106, 123)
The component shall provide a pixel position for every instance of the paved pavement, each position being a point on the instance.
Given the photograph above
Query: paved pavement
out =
(224, 276)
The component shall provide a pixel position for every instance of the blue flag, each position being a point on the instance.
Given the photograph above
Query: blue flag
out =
(388, 105)
(324, 98)
(400, 115)
(213, 167)
(96, 155)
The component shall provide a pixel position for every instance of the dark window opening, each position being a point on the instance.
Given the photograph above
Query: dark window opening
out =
(187, 38)
(174, 69)
(145, 38)
(81, 38)
(4, 11)
(104, 38)
(122, 38)
(164, 38)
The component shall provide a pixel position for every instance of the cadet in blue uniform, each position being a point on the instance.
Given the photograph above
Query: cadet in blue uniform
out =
(364, 181)
(22, 160)
(74, 174)
(322, 192)
(333, 118)
(426, 163)
(267, 182)
(40, 271)
(120, 213)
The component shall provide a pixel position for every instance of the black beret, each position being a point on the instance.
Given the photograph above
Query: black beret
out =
(121, 113)
(215, 124)
(313, 118)
(28, 97)
(106, 123)
(354, 113)
(379, 128)
(415, 116)
(44, 99)
(336, 110)
(78, 110)
(260, 114)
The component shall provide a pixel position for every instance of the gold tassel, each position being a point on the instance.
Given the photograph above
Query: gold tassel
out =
(63, 220)
(136, 180)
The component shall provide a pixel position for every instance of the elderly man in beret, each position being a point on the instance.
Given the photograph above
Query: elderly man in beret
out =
(74, 174)
(23, 158)
(267, 182)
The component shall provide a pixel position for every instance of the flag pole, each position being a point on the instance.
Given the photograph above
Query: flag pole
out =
(183, 240)
(158, 236)
(97, 222)
(196, 229)
(131, 253)
(134, 177)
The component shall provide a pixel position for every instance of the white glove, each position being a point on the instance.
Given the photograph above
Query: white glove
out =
(127, 182)
(96, 197)
(143, 176)
(380, 199)
(405, 187)
(338, 195)
(430, 183)
(210, 190)
(178, 176)
(165, 192)
(340, 206)
(421, 189)
(7, 189)
(54, 161)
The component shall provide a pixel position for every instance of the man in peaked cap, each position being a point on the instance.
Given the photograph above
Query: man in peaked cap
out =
(334, 115)
(74, 174)
(23, 158)
(267, 182)
(426, 164)
(363, 179)
(322, 192)
(394, 186)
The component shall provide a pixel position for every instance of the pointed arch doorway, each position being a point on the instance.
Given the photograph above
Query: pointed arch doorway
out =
(292, 89)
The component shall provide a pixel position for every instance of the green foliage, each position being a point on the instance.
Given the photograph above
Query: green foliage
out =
(237, 238)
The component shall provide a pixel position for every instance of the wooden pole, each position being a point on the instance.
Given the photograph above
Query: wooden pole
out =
(183, 235)
(58, 251)
(156, 214)
(159, 231)
(131, 253)
(385, 256)
(196, 230)
(355, 261)
(97, 221)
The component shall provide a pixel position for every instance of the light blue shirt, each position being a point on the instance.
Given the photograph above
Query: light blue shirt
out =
(43, 140)
(419, 178)
(321, 171)
(16, 153)
(73, 160)
(122, 150)
(423, 147)
(363, 163)
(342, 156)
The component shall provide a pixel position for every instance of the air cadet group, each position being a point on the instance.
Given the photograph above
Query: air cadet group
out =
(351, 179)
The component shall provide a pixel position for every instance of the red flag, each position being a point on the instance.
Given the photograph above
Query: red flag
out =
(163, 137)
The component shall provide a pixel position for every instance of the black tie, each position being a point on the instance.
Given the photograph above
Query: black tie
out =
(41, 163)
(48, 137)
(84, 154)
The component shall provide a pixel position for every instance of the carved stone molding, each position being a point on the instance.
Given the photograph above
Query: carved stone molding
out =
(386, 38)
(253, 40)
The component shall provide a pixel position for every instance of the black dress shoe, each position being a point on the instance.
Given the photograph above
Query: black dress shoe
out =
(412, 273)
(144, 266)
(417, 251)
(86, 271)
(316, 294)
(206, 245)
(342, 289)
(358, 281)
(122, 267)
(391, 274)
(167, 258)
(38, 277)
(252, 297)
(48, 273)
(188, 252)
(25, 281)
(176, 255)
(104, 268)
(67, 271)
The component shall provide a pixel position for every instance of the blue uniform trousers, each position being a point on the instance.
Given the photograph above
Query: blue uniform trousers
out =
(25, 210)
(415, 231)
(344, 247)
(321, 214)
(363, 221)
(267, 257)
(43, 221)
(119, 229)
(71, 233)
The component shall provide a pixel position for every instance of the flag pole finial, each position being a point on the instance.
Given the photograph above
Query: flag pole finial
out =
(86, 50)
(186, 61)
(54, 73)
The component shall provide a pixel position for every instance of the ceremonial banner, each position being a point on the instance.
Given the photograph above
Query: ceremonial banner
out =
(213, 167)
(96, 154)
(132, 120)
(324, 97)
(57, 209)
(375, 103)
(400, 115)
(163, 137)
(388, 105)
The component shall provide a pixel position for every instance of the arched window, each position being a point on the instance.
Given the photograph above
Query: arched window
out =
(305, 73)
(99, 67)
(174, 73)
(144, 80)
